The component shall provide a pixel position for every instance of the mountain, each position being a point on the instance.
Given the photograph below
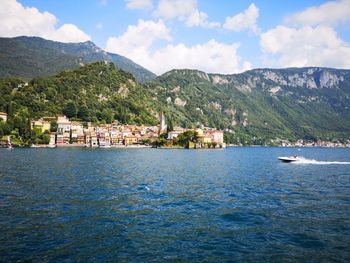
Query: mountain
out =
(97, 92)
(254, 107)
(29, 57)
(260, 104)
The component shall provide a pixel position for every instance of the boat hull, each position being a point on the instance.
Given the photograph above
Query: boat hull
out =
(288, 159)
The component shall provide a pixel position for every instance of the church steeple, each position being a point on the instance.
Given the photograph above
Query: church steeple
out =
(163, 126)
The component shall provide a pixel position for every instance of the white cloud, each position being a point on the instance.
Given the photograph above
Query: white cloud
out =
(68, 33)
(244, 20)
(139, 38)
(306, 46)
(169, 9)
(139, 4)
(17, 20)
(184, 10)
(198, 18)
(331, 13)
(137, 42)
(211, 56)
(309, 38)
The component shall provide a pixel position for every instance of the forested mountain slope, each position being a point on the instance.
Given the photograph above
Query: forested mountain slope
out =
(29, 57)
(96, 92)
(310, 103)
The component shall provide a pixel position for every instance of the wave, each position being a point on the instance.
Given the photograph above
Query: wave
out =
(303, 160)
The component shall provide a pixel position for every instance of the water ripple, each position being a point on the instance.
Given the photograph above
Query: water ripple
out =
(238, 204)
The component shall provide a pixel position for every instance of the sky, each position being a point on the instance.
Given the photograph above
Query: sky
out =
(221, 36)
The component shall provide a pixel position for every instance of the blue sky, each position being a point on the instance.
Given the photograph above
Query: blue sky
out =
(223, 36)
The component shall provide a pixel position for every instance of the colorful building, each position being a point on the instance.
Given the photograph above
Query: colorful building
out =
(131, 139)
(40, 125)
(63, 124)
(52, 139)
(217, 136)
(77, 132)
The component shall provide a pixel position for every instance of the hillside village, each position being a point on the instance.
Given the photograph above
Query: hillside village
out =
(75, 133)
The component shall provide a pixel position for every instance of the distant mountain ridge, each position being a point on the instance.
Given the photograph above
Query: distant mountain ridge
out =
(307, 77)
(29, 57)
(260, 104)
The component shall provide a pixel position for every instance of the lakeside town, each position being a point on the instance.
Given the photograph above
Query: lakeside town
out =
(74, 133)
(71, 133)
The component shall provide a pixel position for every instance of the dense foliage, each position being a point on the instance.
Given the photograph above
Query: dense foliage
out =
(97, 92)
(29, 57)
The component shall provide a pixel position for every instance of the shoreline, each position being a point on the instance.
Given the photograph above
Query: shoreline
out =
(148, 146)
(121, 146)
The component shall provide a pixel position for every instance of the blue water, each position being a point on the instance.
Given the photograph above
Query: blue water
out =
(142, 205)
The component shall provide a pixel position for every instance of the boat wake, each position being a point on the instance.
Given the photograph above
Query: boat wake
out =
(302, 160)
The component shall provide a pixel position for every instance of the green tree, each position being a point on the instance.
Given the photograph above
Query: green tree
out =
(83, 113)
(5, 128)
(21, 122)
(160, 142)
(170, 124)
(33, 137)
(70, 110)
(185, 138)
(46, 138)
(146, 141)
(107, 115)
(122, 116)
(53, 126)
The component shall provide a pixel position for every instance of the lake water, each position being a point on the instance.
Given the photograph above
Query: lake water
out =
(142, 205)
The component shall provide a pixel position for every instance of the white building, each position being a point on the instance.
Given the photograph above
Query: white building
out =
(173, 134)
(63, 124)
(3, 116)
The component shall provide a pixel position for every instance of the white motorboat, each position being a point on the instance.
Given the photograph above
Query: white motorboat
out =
(289, 159)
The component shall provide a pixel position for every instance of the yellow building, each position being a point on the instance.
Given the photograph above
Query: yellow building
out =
(130, 140)
(41, 125)
(207, 139)
(203, 138)
(210, 136)
(199, 132)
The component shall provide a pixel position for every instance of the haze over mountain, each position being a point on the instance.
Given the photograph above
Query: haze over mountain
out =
(28, 57)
